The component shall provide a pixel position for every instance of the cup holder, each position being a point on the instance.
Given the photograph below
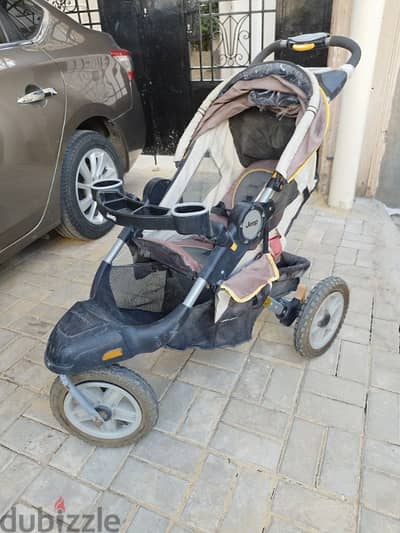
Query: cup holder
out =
(106, 185)
(192, 219)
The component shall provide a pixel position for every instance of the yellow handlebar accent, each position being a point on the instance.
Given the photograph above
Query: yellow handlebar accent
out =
(303, 47)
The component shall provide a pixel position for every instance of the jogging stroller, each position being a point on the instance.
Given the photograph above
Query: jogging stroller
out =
(205, 258)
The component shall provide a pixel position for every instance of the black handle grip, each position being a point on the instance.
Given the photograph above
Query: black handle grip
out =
(345, 42)
(304, 43)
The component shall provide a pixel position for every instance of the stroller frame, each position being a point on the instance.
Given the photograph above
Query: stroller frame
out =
(246, 229)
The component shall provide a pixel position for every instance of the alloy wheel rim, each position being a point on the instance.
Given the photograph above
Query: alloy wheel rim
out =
(95, 165)
(327, 320)
(122, 413)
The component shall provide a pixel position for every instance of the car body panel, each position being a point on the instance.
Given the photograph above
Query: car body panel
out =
(93, 85)
(30, 138)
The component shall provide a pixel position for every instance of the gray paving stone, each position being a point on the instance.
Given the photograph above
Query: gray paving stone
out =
(30, 375)
(13, 483)
(5, 338)
(275, 351)
(15, 351)
(385, 334)
(386, 305)
(354, 362)
(103, 464)
(214, 379)
(33, 439)
(335, 388)
(360, 300)
(40, 411)
(169, 452)
(180, 529)
(313, 509)
(148, 522)
(203, 416)
(6, 388)
(328, 362)
(222, 358)
(385, 373)
(13, 406)
(278, 526)
(150, 487)
(6, 456)
(206, 503)
(346, 256)
(170, 362)
(354, 334)
(112, 504)
(383, 416)
(381, 492)
(372, 522)
(72, 455)
(255, 418)
(331, 412)
(51, 484)
(359, 320)
(247, 447)
(174, 406)
(253, 380)
(382, 456)
(302, 451)
(277, 333)
(159, 384)
(250, 503)
(283, 387)
(341, 463)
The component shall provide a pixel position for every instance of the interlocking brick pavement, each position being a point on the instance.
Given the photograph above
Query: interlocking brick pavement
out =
(250, 439)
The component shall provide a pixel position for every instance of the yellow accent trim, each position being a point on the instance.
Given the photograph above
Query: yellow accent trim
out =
(113, 354)
(275, 277)
(303, 47)
(234, 247)
(328, 118)
(268, 302)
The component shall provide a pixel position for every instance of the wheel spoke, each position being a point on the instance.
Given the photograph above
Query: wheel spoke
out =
(124, 415)
(93, 165)
(86, 203)
(84, 186)
(84, 171)
(100, 165)
(92, 211)
(112, 397)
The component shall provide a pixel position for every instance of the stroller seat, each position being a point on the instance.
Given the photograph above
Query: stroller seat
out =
(188, 255)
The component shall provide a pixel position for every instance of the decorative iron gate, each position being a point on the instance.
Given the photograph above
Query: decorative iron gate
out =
(182, 49)
(86, 12)
(224, 36)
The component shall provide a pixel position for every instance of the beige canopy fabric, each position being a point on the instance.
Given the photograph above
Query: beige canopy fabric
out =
(236, 100)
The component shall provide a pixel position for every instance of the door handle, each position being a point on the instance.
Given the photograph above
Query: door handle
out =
(37, 96)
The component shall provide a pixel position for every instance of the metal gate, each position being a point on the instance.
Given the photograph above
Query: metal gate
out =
(183, 48)
(86, 12)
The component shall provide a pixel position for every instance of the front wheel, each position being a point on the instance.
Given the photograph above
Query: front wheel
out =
(321, 317)
(123, 399)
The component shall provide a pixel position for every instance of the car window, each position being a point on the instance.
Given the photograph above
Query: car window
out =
(24, 15)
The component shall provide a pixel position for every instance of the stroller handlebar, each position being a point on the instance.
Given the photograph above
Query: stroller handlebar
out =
(311, 41)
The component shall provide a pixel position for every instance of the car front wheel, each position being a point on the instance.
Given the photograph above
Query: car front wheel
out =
(88, 158)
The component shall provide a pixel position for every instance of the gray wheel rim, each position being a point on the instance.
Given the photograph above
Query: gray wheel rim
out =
(326, 320)
(96, 164)
(126, 414)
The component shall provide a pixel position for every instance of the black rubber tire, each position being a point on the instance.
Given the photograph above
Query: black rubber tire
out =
(74, 225)
(116, 375)
(309, 308)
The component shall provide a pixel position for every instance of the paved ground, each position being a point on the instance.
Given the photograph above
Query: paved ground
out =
(249, 440)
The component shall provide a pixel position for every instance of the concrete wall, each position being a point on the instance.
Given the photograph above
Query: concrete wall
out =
(389, 179)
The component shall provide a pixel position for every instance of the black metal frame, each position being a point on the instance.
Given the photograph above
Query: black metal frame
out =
(86, 15)
(234, 29)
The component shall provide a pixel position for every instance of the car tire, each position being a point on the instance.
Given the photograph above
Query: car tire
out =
(89, 156)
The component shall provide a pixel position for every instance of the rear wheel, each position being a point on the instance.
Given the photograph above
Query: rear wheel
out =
(321, 317)
(88, 158)
(123, 399)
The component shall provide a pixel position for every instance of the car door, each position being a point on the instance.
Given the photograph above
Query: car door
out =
(32, 109)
